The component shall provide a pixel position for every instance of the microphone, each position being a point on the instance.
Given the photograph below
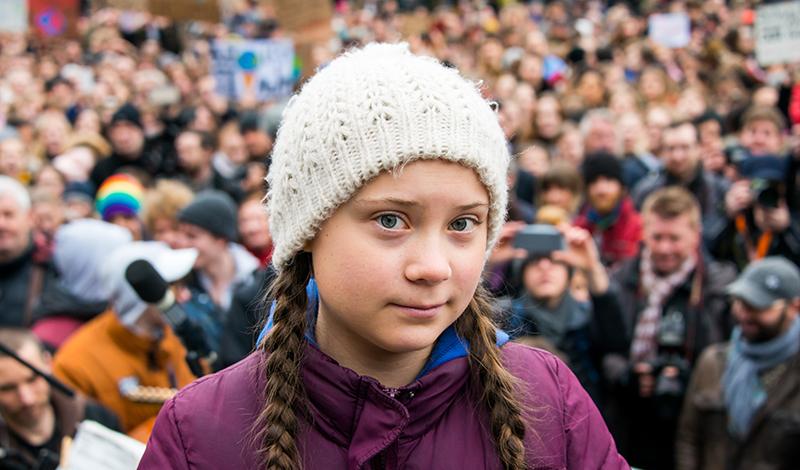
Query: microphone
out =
(153, 289)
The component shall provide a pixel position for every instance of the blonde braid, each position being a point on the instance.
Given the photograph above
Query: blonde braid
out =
(497, 385)
(276, 428)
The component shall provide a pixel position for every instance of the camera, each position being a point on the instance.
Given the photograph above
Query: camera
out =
(670, 368)
(766, 193)
(539, 239)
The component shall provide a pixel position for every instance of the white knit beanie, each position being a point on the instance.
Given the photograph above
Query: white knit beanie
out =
(371, 110)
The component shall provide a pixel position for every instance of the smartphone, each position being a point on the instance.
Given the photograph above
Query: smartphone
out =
(539, 239)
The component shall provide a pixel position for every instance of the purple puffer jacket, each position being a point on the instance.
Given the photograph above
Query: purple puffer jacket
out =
(430, 424)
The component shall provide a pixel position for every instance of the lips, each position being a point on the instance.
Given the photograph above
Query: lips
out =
(421, 311)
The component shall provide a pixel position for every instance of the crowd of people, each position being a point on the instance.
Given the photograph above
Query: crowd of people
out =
(670, 173)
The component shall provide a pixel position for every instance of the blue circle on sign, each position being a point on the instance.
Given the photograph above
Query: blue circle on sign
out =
(248, 60)
(51, 22)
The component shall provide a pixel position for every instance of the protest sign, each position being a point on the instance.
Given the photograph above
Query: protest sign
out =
(96, 446)
(198, 10)
(295, 15)
(263, 68)
(308, 23)
(414, 24)
(54, 18)
(669, 29)
(15, 16)
(777, 31)
(133, 5)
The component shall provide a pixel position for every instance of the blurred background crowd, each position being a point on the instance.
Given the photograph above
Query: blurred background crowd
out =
(669, 173)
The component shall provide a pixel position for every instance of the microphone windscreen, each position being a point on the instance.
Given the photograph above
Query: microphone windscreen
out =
(146, 281)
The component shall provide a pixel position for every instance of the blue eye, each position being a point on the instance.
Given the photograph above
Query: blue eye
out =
(389, 221)
(463, 224)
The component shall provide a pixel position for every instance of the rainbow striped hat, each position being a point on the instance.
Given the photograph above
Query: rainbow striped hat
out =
(120, 194)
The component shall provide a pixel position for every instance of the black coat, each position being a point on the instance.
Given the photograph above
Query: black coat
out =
(17, 278)
(246, 316)
(644, 427)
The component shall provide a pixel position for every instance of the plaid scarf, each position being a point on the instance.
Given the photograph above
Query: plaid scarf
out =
(658, 289)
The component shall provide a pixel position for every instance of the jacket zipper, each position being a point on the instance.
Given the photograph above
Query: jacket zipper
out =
(381, 463)
(396, 394)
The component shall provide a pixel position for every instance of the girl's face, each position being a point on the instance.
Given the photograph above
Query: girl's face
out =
(399, 262)
(545, 279)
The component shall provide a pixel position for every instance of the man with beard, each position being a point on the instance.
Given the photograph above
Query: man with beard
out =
(742, 408)
(674, 304)
(33, 417)
(609, 214)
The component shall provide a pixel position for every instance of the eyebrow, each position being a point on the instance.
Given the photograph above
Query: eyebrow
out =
(408, 203)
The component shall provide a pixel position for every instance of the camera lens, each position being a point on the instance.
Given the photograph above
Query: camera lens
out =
(769, 197)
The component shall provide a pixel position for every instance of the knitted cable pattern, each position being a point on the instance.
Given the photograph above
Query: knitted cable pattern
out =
(371, 110)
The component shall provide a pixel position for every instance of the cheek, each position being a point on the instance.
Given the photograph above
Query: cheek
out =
(562, 280)
(353, 290)
(467, 269)
(42, 389)
(351, 268)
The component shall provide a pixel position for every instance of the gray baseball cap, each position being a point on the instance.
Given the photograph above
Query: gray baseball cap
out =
(765, 281)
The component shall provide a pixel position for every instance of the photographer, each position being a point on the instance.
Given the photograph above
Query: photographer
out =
(759, 222)
(674, 305)
(583, 331)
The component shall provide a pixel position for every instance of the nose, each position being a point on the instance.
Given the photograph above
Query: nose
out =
(661, 248)
(428, 262)
(26, 394)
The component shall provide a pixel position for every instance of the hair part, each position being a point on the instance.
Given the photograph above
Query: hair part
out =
(672, 202)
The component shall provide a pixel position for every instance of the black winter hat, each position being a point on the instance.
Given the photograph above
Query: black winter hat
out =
(213, 211)
(600, 164)
(127, 113)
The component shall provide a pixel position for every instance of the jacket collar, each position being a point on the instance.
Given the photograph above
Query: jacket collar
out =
(358, 413)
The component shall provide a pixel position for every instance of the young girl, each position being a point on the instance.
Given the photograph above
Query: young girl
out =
(387, 191)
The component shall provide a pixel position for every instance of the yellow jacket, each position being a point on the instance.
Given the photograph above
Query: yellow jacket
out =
(129, 374)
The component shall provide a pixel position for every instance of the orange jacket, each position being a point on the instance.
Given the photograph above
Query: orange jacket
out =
(111, 364)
